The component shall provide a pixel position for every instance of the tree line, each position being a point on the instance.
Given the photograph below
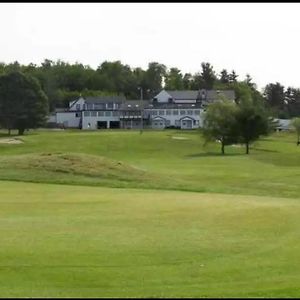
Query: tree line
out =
(62, 82)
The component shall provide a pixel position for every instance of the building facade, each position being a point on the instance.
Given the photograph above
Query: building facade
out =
(168, 109)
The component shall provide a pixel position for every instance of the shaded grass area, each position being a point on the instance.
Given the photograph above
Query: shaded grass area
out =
(71, 241)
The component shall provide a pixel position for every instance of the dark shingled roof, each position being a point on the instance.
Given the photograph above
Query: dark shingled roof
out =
(194, 94)
(134, 104)
(104, 99)
(188, 95)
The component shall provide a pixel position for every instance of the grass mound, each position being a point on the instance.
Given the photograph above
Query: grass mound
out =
(55, 166)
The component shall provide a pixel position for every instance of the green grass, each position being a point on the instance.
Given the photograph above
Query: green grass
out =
(64, 241)
(271, 169)
(130, 215)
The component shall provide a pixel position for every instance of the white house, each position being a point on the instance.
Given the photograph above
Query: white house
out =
(177, 109)
(282, 124)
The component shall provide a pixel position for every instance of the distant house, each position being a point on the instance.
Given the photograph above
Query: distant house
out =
(177, 109)
(282, 124)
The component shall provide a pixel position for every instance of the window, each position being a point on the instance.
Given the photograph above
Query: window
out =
(94, 114)
(189, 112)
(154, 112)
(168, 111)
(100, 113)
(170, 100)
(109, 105)
(86, 113)
(116, 105)
(162, 112)
(77, 115)
(197, 112)
(168, 123)
(175, 112)
(77, 106)
(107, 113)
(182, 112)
(115, 113)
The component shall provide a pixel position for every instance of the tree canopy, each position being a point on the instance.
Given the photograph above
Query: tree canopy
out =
(23, 104)
(62, 81)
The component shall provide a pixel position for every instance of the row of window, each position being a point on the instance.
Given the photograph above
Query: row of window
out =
(177, 123)
(175, 112)
(98, 106)
(138, 113)
(101, 113)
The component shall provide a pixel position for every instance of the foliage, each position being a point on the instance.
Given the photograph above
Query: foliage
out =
(252, 121)
(23, 104)
(208, 76)
(174, 80)
(220, 123)
(60, 80)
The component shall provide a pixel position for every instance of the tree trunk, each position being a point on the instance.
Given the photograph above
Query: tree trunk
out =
(247, 148)
(223, 149)
(21, 131)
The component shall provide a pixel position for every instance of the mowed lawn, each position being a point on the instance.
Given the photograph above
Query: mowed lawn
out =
(74, 241)
(170, 159)
(123, 214)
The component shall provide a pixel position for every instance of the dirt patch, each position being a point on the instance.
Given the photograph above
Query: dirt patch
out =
(10, 141)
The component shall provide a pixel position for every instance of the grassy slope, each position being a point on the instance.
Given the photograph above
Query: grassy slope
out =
(95, 242)
(272, 168)
(60, 240)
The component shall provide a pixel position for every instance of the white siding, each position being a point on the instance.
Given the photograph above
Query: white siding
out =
(69, 119)
(93, 120)
(174, 120)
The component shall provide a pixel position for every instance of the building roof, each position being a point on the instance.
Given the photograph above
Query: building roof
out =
(186, 94)
(210, 95)
(104, 99)
(134, 104)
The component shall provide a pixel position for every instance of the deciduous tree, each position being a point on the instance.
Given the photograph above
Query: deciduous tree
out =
(23, 104)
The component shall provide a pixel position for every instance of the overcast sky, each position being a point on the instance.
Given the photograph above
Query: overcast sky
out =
(257, 38)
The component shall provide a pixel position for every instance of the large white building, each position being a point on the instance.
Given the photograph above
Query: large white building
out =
(168, 109)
